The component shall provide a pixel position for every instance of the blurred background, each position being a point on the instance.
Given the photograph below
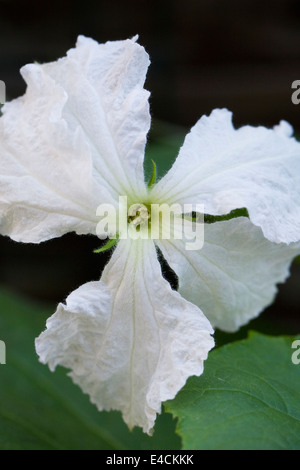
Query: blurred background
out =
(205, 54)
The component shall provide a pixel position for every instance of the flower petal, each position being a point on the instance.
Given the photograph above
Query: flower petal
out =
(227, 169)
(130, 340)
(46, 180)
(75, 140)
(106, 99)
(234, 276)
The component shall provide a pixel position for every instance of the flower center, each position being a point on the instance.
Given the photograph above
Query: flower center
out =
(138, 215)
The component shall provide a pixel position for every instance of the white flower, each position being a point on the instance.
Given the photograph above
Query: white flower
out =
(76, 139)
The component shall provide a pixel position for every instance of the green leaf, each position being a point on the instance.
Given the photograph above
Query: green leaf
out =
(247, 398)
(44, 410)
(210, 219)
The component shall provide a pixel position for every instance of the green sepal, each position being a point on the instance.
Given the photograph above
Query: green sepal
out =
(111, 242)
(153, 176)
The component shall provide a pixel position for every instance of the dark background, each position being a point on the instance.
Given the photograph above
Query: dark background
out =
(243, 55)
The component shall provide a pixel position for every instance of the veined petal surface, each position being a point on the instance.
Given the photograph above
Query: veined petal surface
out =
(47, 188)
(225, 169)
(106, 99)
(75, 140)
(234, 276)
(130, 340)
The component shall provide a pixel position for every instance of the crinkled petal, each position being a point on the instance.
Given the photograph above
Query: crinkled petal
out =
(75, 140)
(106, 99)
(225, 169)
(234, 276)
(45, 170)
(130, 340)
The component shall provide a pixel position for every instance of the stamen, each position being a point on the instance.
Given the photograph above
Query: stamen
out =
(138, 214)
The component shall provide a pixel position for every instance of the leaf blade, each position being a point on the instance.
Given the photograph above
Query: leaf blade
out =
(247, 398)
